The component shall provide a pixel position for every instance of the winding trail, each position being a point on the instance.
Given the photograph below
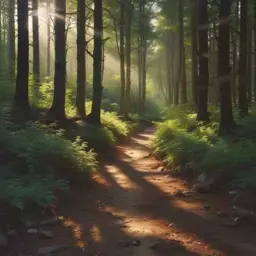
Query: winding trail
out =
(132, 210)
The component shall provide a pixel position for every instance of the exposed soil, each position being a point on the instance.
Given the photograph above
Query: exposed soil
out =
(133, 209)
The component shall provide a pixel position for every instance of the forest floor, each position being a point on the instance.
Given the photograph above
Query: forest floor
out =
(135, 208)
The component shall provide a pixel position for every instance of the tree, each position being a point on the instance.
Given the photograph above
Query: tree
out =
(58, 105)
(128, 19)
(36, 57)
(227, 123)
(11, 36)
(81, 72)
(122, 57)
(242, 86)
(194, 71)
(183, 80)
(48, 63)
(94, 116)
(203, 76)
(21, 99)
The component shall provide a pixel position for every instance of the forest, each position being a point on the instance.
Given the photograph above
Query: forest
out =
(137, 113)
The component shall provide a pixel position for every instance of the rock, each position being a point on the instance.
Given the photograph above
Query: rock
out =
(171, 225)
(245, 200)
(3, 240)
(221, 214)
(179, 193)
(207, 207)
(234, 192)
(238, 212)
(204, 183)
(239, 220)
(46, 250)
(12, 234)
(50, 222)
(45, 234)
(30, 224)
(32, 231)
(136, 243)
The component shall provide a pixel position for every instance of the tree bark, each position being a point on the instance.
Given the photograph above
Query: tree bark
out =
(203, 79)
(58, 105)
(255, 52)
(249, 59)
(194, 45)
(242, 87)
(234, 55)
(81, 65)
(122, 58)
(227, 122)
(94, 116)
(11, 37)
(128, 17)
(48, 67)
(36, 57)
(21, 99)
(183, 96)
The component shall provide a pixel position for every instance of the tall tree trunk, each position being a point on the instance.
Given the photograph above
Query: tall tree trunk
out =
(176, 97)
(144, 57)
(58, 105)
(128, 18)
(227, 122)
(1, 23)
(203, 79)
(183, 98)
(194, 50)
(21, 99)
(140, 64)
(48, 65)
(122, 58)
(94, 116)
(255, 52)
(81, 66)
(234, 55)
(249, 58)
(242, 87)
(11, 37)
(36, 57)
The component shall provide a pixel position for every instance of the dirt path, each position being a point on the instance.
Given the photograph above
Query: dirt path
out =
(133, 211)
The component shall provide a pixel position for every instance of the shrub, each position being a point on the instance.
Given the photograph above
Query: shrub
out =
(36, 161)
(231, 156)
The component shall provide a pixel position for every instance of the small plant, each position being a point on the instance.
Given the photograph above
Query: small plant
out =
(231, 156)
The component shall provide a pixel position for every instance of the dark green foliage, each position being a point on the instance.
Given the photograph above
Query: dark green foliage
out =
(180, 141)
(36, 161)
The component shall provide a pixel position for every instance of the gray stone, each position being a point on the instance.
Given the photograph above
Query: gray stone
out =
(45, 234)
(32, 231)
(3, 240)
(12, 233)
(50, 222)
(204, 183)
(46, 250)
(245, 200)
(30, 224)
(222, 214)
(136, 243)
(207, 207)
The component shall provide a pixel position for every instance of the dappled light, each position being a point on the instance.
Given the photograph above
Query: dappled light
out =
(127, 128)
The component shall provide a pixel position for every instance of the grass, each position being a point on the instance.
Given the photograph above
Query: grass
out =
(39, 160)
(180, 140)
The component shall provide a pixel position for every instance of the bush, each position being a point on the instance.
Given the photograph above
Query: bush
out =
(231, 156)
(36, 161)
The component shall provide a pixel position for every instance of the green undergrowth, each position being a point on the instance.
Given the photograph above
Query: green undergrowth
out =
(37, 161)
(181, 141)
